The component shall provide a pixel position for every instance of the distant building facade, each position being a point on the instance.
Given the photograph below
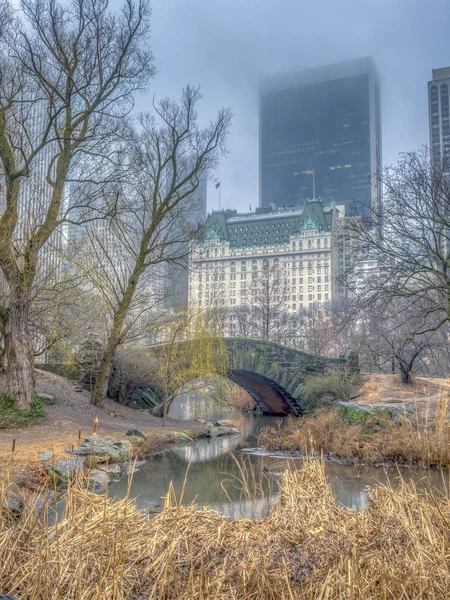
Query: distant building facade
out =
(303, 245)
(439, 117)
(320, 136)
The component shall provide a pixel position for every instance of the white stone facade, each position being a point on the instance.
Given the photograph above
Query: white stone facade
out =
(223, 276)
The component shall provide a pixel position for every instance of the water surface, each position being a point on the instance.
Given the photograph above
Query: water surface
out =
(217, 467)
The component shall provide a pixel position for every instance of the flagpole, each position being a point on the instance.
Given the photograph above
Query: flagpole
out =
(220, 195)
(314, 184)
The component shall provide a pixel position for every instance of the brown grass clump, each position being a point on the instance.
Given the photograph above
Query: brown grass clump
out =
(308, 547)
(423, 440)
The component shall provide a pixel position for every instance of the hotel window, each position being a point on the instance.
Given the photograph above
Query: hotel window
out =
(233, 267)
(319, 288)
(319, 297)
(310, 288)
(254, 265)
(301, 297)
(326, 288)
(301, 288)
(326, 296)
(243, 265)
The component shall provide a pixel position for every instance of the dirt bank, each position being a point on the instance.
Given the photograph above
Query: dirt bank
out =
(72, 412)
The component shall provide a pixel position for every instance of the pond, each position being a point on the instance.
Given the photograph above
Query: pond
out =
(212, 472)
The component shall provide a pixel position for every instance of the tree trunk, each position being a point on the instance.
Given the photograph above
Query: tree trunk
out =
(19, 354)
(405, 373)
(104, 372)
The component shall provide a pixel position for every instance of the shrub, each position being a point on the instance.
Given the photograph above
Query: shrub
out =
(335, 385)
(11, 416)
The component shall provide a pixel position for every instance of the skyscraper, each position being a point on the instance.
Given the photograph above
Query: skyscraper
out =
(439, 118)
(320, 136)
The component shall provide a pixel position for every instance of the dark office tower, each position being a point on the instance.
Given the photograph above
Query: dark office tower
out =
(320, 136)
(438, 109)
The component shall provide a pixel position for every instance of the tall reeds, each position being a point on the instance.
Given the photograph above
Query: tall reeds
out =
(418, 438)
(307, 547)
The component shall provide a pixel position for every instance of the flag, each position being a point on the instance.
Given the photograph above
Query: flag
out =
(217, 185)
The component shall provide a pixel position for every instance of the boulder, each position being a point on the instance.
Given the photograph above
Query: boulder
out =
(45, 455)
(47, 399)
(228, 430)
(135, 433)
(113, 470)
(216, 431)
(64, 469)
(100, 447)
(98, 480)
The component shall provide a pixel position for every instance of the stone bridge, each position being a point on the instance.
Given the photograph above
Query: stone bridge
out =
(274, 375)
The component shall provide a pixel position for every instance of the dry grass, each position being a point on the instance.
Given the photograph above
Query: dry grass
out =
(422, 439)
(308, 547)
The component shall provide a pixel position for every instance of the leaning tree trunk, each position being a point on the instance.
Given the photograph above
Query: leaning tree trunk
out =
(405, 372)
(19, 354)
(106, 363)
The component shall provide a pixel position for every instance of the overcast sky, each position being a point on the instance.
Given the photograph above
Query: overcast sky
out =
(227, 45)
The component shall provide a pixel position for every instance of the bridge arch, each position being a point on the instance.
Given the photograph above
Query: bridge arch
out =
(274, 375)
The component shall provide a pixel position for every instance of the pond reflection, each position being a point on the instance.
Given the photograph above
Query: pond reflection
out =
(217, 468)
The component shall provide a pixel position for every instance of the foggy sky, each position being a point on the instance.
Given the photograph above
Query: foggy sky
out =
(227, 45)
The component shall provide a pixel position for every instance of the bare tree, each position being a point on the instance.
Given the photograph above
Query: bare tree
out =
(171, 153)
(392, 334)
(68, 74)
(267, 297)
(408, 239)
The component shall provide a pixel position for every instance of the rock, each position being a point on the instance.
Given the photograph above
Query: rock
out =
(377, 410)
(355, 395)
(99, 447)
(65, 469)
(47, 399)
(135, 433)
(98, 480)
(224, 423)
(93, 462)
(391, 400)
(13, 505)
(113, 470)
(78, 388)
(45, 455)
(228, 430)
(133, 440)
(213, 431)
(210, 430)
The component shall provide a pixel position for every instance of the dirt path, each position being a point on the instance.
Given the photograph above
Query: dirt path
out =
(71, 412)
(425, 394)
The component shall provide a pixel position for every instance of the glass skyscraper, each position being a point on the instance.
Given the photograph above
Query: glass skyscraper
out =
(320, 136)
(439, 115)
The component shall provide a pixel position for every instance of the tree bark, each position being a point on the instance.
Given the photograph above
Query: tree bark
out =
(19, 354)
(104, 372)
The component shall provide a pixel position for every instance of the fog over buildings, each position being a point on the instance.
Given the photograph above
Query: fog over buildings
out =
(227, 46)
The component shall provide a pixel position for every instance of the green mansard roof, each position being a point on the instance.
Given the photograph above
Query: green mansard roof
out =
(268, 227)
